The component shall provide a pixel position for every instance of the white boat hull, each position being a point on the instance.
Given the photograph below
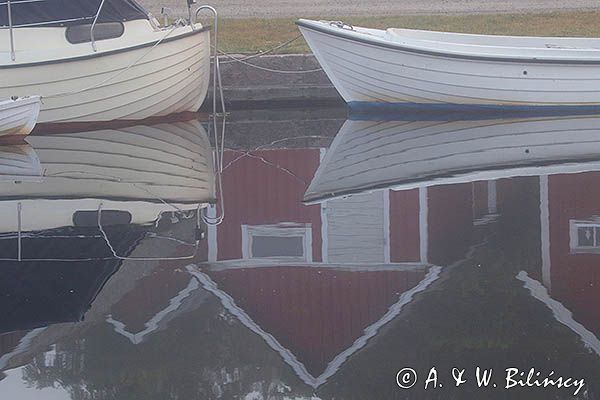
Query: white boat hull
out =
(18, 117)
(367, 67)
(112, 84)
(368, 155)
(144, 170)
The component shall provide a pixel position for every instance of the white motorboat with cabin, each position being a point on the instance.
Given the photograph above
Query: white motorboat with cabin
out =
(19, 115)
(141, 171)
(101, 60)
(372, 67)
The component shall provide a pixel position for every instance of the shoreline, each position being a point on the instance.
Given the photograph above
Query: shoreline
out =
(268, 9)
(245, 87)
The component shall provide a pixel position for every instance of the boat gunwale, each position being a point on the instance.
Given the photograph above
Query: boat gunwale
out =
(107, 53)
(458, 176)
(364, 38)
(7, 104)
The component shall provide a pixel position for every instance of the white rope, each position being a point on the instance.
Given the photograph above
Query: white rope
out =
(276, 71)
(262, 53)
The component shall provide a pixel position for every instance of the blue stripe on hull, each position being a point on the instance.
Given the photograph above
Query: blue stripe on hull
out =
(379, 111)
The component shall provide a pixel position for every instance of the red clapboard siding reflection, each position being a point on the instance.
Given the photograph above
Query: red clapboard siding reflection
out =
(150, 295)
(258, 192)
(316, 313)
(404, 226)
(8, 341)
(575, 277)
(450, 220)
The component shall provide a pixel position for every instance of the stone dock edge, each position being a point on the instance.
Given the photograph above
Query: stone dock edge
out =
(258, 86)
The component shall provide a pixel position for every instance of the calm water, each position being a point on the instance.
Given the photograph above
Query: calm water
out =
(348, 251)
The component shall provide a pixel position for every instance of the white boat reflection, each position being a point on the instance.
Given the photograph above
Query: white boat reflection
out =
(367, 155)
(128, 176)
(19, 163)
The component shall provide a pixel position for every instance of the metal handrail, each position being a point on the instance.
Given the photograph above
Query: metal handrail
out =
(11, 33)
(216, 80)
(215, 44)
(94, 26)
(57, 21)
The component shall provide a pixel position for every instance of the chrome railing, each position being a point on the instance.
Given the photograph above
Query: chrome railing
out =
(11, 32)
(94, 26)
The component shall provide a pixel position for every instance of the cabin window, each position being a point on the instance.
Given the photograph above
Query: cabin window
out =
(289, 242)
(102, 31)
(109, 217)
(584, 236)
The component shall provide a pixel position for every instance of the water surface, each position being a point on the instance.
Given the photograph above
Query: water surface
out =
(349, 250)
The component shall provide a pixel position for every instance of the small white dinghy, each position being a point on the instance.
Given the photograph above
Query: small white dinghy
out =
(371, 67)
(19, 115)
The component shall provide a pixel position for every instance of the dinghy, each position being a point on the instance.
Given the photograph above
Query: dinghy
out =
(371, 67)
(101, 60)
(18, 116)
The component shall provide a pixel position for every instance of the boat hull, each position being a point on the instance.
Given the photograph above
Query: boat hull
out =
(368, 72)
(144, 170)
(403, 155)
(171, 77)
(18, 117)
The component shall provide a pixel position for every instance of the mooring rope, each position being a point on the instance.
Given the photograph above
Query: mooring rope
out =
(262, 53)
(276, 71)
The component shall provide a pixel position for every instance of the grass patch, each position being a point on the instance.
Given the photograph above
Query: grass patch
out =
(255, 35)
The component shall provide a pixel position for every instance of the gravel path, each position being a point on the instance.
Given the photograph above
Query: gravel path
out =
(311, 8)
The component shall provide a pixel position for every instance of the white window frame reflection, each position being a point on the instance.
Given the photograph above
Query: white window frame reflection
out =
(282, 230)
(575, 246)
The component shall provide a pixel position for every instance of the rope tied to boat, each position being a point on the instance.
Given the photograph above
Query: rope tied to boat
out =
(276, 71)
(244, 61)
(341, 25)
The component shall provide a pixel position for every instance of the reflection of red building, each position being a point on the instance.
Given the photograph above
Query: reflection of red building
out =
(264, 192)
(267, 222)
(154, 301)
(13, 345)
(570, 221)
(316, 313)
(315, 317)
(317, 281)
(8, 343)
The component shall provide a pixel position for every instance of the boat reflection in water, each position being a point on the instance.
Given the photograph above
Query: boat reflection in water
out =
(406, 154)
(335, 268)
(74, 206)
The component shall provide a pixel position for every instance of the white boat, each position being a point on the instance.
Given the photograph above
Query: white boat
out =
(371, 67)
(18, 116)
(101, 60)
(141, 170)
(371, 155)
